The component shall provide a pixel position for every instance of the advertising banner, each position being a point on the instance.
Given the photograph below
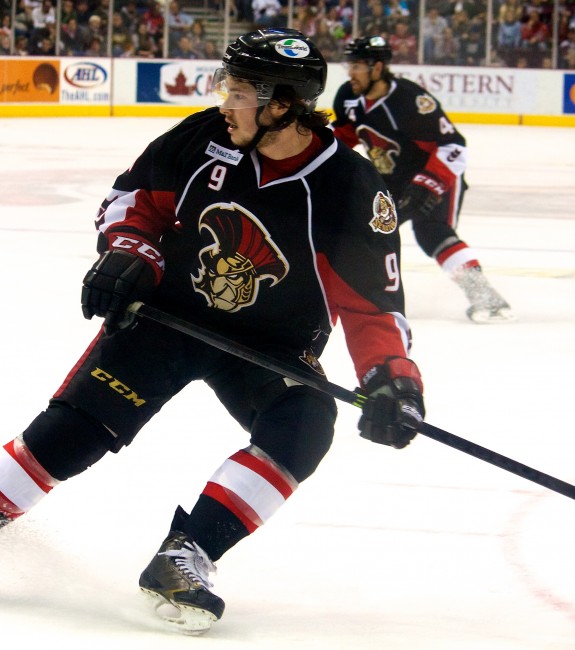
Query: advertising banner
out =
(569, 93)
(85, 81)
(175, 82)
(30, 80)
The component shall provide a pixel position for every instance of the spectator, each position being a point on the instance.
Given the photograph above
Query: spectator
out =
(23, 24)
(508, 36)
(455, 6)
(543, 8)
(433, 27)
(43, 15)
(145, 46)
(83, 12)
(534, 38)
(567, 51)
(513, 6)
(344, 10)
(184, 49)
(267, 13)
(97, 30)
(403, 44)
(130, 16)
(74, 38)
(396, 10)
(120, 34)
(211, 50)
(375, 22)
(128, 50)
(42, 43)
(198, 37)
(179, 24)
(335, 25)
(447, 48)
(244, 11)
(102, 9)
(21, 46)
(326, 42)
(5, 28)
(5, 49)
(472, 48)
(306, 20)
(154, 19)
(534, 32)
(95, 47)
(68, 11)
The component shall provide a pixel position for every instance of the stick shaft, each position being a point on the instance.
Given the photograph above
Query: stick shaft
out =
(351, 397)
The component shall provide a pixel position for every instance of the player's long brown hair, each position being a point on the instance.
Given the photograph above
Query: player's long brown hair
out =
(286, 95)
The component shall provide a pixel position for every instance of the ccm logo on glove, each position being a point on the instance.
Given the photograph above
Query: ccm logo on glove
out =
(429, 183)
(142, 249)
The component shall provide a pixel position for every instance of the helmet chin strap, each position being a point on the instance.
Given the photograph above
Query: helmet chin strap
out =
(280, 125)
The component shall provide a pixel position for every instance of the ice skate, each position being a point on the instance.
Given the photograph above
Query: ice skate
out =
(487, 306)
(177, 581)
(4, 520)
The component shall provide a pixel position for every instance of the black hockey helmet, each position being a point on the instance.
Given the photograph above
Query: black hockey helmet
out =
(271, 57)
(369, 49)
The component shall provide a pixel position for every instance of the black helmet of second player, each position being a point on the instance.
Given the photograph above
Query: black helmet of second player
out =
(369, 49)
(270, 57)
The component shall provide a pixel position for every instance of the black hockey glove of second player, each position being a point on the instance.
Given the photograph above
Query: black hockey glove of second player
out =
(128, 271)
(420, 197)
(395, 410)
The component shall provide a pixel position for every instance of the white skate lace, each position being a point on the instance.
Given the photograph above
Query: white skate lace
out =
(193, 562)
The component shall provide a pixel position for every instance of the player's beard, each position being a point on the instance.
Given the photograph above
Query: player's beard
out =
(358, 88)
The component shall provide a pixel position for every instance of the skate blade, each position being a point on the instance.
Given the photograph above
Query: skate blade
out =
(488, 316)
(180, 618)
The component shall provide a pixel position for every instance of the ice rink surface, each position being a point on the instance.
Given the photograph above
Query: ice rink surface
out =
(420, 549)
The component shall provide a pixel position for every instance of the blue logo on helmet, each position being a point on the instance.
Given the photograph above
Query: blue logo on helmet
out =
(292, 48)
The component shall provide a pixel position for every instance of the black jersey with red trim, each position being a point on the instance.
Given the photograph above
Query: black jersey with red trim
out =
(271, 264)
(404, 133)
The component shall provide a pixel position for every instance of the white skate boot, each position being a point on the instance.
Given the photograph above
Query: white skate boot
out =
(487, 306)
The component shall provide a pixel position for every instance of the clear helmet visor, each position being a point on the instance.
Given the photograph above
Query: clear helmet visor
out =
(234, 92)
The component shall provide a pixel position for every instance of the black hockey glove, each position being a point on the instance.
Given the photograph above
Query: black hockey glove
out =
(127, 272)
(420, 198)
(395, 410)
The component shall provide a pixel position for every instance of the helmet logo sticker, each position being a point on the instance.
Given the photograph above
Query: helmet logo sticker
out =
(292, 48)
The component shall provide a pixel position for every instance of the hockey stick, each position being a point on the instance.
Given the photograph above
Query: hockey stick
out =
(351, 397)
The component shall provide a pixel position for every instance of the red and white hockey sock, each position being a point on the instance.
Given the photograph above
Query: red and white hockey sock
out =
(251, 486)
(455, 257)
(23, 481)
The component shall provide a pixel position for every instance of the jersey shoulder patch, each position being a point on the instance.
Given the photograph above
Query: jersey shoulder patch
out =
(425, 104)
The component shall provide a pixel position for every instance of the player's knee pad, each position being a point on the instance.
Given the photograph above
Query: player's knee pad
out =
(66, 441)
(296, 429)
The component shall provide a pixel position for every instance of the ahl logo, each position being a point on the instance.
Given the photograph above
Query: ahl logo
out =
(292, 48)
(85, 75)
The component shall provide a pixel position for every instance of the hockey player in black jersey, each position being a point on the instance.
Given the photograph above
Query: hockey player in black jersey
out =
(422, 158)
(226, 221)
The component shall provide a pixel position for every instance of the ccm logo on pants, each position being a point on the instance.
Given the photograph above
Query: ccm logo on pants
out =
(118, 386)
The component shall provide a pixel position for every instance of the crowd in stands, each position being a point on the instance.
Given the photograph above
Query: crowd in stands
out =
(453, 32)
(84, 28)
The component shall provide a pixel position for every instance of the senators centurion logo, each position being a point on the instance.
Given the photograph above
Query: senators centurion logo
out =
(239, 258)
(381, 150)
(384, 214)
